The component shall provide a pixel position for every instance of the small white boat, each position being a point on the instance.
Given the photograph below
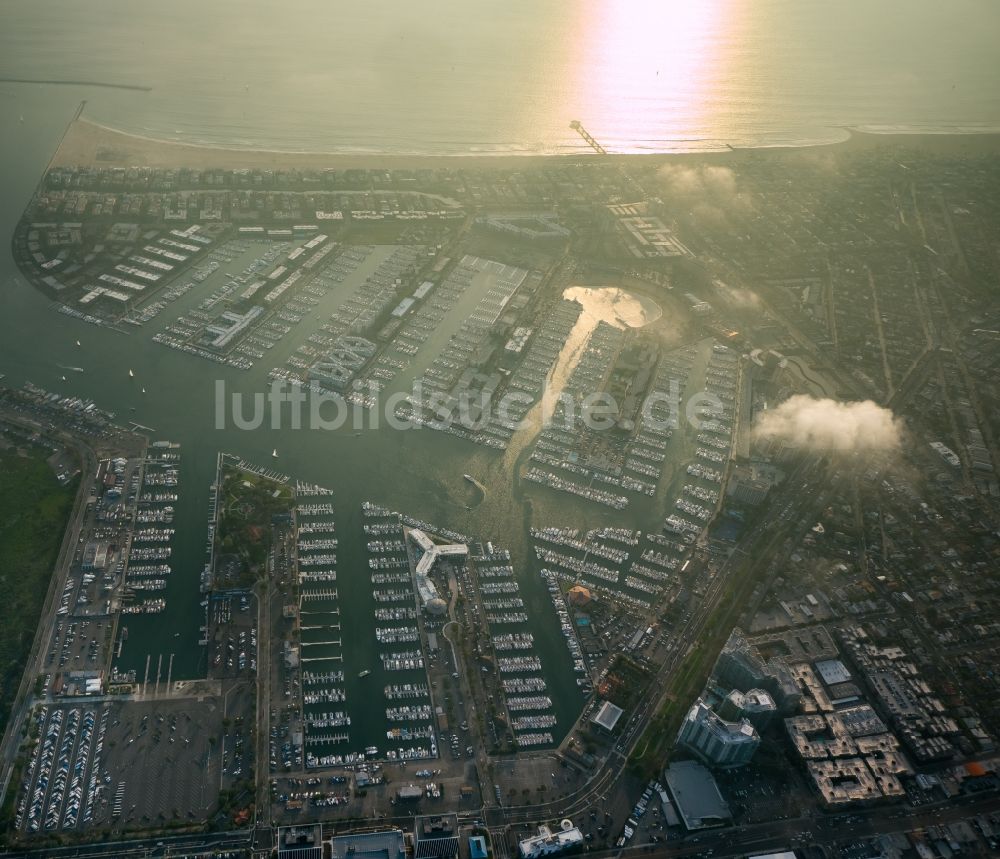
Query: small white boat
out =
(131, 375)
(64, 378)
(78, 343)
(274, 453)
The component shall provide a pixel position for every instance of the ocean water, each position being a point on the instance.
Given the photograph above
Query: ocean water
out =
(464, 76)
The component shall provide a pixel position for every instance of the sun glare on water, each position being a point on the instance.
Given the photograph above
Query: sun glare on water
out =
(646, 76)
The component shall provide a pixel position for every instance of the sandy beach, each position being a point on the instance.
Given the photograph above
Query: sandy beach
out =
(88, 144)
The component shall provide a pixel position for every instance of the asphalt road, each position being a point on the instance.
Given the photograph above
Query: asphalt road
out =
(163, 846)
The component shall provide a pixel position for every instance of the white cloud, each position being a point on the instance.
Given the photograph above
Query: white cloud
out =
(713, 181)
(825, 424)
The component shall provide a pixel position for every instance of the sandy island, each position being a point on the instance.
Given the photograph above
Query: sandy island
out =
(89, 144)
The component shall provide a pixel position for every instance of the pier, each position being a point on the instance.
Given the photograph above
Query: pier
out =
(52, 82)
(586, 135)
(324, 593)
(322, 611)
(317, 739)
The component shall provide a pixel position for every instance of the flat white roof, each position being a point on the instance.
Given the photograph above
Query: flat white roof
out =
(608, 715)
(432, 551)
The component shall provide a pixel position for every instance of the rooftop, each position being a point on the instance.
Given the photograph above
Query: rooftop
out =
(696, 795)
(607, 716)
(387, 844)
(435, 836)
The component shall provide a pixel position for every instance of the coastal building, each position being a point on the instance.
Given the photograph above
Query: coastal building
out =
(844, 781)
(747, 487)
(531, 226)
(820, 736)
(429, 552)
(387, 844)
(847, 769)
(435, 837)
(645, 234)
(717, 742)
(103, 292)
(342, 362)
(696, 795)
(755, 705)
(740, 666)
(300, 842)
(549, 842)
(403, 306)
(607, 716)
(409, 793)
(518, 338)
(95, 556)
(832, 671)
(330, 374)
(221, 331)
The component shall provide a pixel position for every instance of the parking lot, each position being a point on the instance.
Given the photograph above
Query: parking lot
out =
(78, 644)
(534, 778)
(166, 758)
(64, 785)
(233, 636)
(755, 795)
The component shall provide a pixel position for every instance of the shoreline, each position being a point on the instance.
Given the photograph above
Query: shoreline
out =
(90, 144)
